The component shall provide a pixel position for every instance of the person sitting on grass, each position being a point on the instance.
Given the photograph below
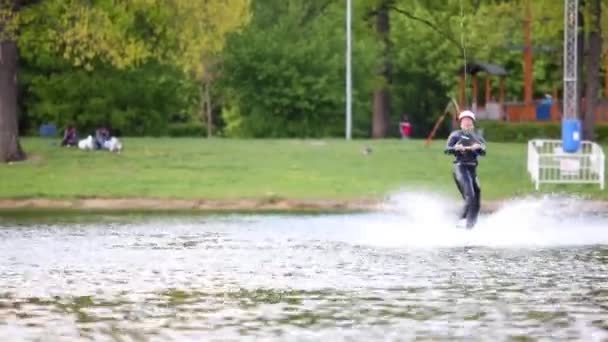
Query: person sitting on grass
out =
(101, 136)
(70, 137)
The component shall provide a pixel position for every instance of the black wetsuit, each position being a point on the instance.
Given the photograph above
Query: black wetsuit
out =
(465, 172)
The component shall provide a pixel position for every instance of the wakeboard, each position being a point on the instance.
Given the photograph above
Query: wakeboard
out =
(462, 224)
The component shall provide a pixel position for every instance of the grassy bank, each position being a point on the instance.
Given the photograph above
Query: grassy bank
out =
(254, 169)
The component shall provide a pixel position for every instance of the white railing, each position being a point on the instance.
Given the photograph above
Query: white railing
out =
(548, 163)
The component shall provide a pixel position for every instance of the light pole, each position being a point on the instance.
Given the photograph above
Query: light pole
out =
(348, 70)
(528, 64)
(571, 129)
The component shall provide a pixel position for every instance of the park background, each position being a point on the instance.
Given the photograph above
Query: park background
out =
(255, 91)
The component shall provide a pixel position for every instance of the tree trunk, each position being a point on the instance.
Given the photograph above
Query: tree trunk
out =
(580, 58)
(382, 95)
(592, 69)
(10, 148)
(208, 107)
(205, 108)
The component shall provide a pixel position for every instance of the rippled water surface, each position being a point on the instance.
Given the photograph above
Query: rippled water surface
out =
(402, 273)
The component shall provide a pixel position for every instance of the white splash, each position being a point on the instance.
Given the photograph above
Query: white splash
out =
(420, 219)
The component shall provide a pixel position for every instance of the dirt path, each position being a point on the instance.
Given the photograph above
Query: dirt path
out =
(118, 204)
(264, 204)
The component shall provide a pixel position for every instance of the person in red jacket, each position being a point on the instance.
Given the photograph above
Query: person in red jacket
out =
(406, 127)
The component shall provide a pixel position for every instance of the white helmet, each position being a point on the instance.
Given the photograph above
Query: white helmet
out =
(466, 114)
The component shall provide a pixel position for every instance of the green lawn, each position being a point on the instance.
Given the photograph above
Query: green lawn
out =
(230, 169)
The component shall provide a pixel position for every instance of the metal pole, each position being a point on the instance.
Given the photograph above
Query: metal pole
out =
(571, 125)
(528, 58)
(570, 59)
(348, 71)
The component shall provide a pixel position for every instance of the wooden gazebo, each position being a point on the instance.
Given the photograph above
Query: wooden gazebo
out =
(473, 69)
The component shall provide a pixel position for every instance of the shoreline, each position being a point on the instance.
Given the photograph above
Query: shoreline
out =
(232, 205)
(193, 205)
(202, 205)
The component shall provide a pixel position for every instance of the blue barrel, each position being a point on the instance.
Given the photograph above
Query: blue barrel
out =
(571, 135)
(543, 111)
(48, 130)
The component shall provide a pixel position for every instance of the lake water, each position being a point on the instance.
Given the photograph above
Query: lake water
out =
(527, 272)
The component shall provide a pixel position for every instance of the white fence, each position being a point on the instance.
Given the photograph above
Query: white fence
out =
(548, 163)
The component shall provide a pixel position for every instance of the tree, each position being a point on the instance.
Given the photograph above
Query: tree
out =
(123, 34)
(196, 27)
(593, 67)
(428, 43)
(10, 148)
(381, 93)
(283, 76)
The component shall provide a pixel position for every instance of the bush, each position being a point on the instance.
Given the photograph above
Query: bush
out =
(601, 133)
(501, 131)
(135, 102)
(187, 129)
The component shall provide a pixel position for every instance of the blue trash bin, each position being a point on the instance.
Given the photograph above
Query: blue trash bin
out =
(571, 135)
(48, 130)
(543, 111)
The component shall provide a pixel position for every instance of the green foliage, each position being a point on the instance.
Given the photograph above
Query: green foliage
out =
(9, 21)
(500, 131)
(601, 132)
(284, 75)
(129, 33)
(442, 34)
(186, 129)
(135, 102)
(194, 31)
(281, 71)
(134, 62)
